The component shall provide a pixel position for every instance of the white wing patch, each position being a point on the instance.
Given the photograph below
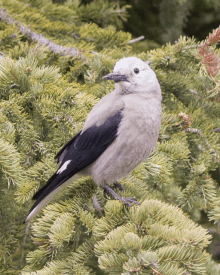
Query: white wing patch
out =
(63, 167)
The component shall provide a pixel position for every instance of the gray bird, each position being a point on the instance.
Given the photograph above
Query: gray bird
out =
(119, 133)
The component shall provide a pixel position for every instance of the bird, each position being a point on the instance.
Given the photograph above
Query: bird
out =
(119, 133)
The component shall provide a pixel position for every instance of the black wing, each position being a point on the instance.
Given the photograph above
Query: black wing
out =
(61, 154)
(82, 150)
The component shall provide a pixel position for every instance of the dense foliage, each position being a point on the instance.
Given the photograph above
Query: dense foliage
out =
(46, 92)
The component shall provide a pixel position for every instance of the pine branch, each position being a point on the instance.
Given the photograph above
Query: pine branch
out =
(210, 59)
(197, 131)
(195, 93)
(96, 203)
(46, 107)
(191, 47)
(39, 38)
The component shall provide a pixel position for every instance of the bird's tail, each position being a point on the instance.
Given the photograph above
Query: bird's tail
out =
(46, 198)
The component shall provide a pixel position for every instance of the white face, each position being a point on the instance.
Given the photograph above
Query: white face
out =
(140, 77)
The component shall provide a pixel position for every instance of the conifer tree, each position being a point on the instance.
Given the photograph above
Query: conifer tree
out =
(51, 67)
(164, 21)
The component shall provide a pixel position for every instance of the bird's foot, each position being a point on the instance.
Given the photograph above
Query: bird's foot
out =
(118, 185)
(128, 201)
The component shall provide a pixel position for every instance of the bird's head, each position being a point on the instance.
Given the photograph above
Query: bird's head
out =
(132, 75)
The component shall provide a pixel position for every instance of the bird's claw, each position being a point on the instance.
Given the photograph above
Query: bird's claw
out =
(104, 194)
(128, 201)
(118, 185)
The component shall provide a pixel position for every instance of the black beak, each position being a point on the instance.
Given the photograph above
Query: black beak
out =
(116, 77)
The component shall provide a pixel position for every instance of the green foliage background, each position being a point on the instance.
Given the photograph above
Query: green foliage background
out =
(164, 21)
(44, 100)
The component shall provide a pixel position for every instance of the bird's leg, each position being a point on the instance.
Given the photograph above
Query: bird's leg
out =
(126, 201)
(104, 194)
(117, 185)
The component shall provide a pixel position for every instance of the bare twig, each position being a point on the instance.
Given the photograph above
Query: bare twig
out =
(191, 47)
(136, 39)
(24, 242)
(26, 233)
(1, 55)
(39, 38)
(192, 158)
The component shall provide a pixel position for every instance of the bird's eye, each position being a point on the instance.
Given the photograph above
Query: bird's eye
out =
(136, 70)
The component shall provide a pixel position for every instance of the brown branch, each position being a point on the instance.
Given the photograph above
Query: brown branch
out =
(214, 37)
(210, 59)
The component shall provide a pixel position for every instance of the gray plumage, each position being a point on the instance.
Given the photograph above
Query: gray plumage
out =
(119, 133)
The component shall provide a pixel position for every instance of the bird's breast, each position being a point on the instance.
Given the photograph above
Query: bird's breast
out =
(140, 126)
